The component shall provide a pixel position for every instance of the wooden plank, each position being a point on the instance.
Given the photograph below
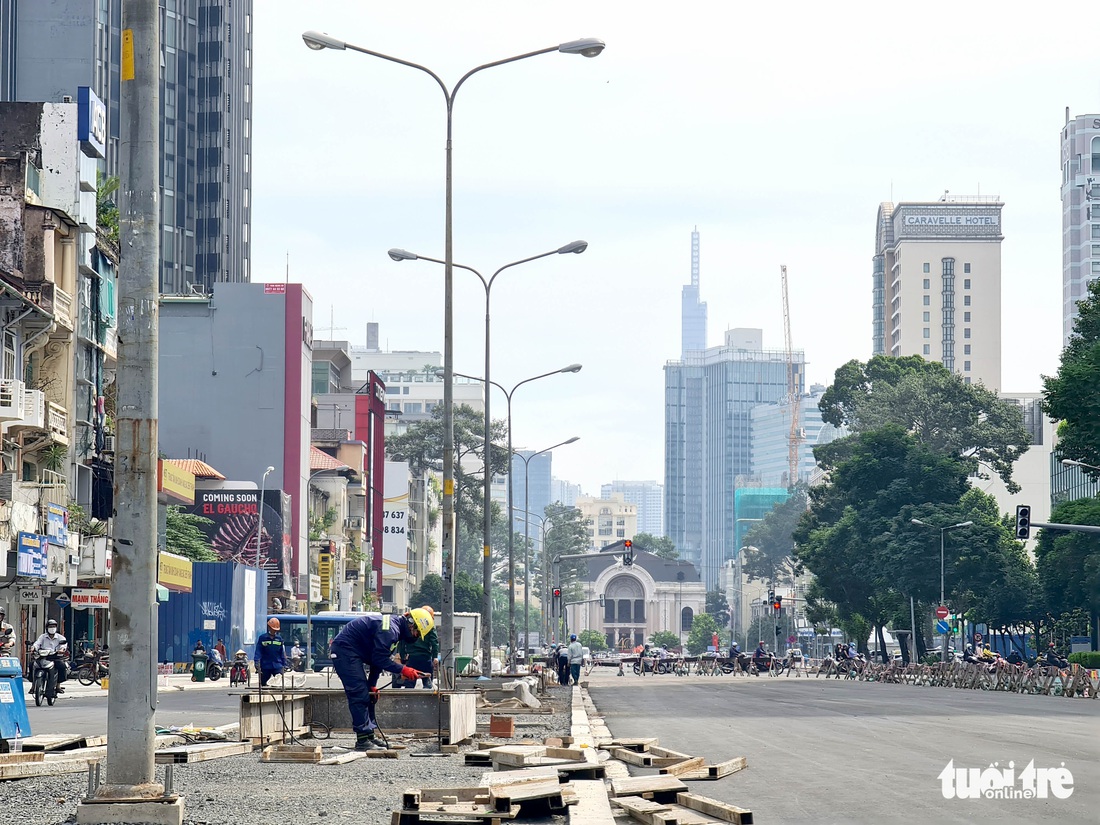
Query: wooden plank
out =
(503, 797)
(666, 752)
(658, 788)
(539, 774)
(200, 752)
(460, 810)
(13, 758)
(738, 763)
(572, 754)
(641, 759)
(640, 744)
(342, 758)
(685, 766)
(52, 741)
(516, 755)
(95, 741)
(642, 810)
(22, 770)
(715, 808)
(292, 753)
(592, 806)
(90, 754)
(681, 816)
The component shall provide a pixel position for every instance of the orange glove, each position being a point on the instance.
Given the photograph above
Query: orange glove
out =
(409, 674)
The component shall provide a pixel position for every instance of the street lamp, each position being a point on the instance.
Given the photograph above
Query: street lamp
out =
(943, 534)
(511, 517)
(260, 519)
(1070, 462)
(525, 518)
(587, 47)
(575, 248)
(527, 524)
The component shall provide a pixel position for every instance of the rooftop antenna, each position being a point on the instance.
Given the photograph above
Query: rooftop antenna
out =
(286, 278)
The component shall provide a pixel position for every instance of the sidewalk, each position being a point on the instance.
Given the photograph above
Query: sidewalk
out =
(182, 681)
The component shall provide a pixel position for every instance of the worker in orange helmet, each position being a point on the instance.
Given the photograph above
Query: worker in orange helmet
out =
(270, 654)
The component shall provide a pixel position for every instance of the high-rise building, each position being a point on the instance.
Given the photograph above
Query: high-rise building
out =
(937, 284)
(771, 439)
(648, 497)
(693, 312)
(48, 48)
(538, 489)
(609, 519)
(565, 492)
(709, 397)
(1080, 228)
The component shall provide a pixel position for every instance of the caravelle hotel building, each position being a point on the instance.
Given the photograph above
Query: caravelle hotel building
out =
(937, 285)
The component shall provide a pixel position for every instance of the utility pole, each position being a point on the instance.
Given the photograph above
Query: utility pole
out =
(133, 794)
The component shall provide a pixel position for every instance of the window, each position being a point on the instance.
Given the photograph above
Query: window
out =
(966, 332)
(966, 283)
(927, 317)
(966, 349)
(966, 366)
(928, 267)
(927, 301)
(927, 332)
(404, 390)
(966, 317)
(1095, 155)
(414, 408)
(966, 300)
(927, 283)
(966, 380)
(966, 269)
(927, 349)
(1096, 231)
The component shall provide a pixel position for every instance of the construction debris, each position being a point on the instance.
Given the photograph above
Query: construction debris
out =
(200, 752)
(291, 753)
(656, 788)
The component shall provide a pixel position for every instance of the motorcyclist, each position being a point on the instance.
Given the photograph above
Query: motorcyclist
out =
(761, 652)
(7, 634)
(1014, 658)
(1052, 659)
(968, 654)
(735, 650)
(53, 642)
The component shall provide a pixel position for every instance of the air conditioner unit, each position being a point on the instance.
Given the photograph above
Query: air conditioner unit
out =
(7, 486)
(354, 523)
(108, 443)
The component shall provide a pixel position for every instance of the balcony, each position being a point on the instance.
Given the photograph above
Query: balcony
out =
(11, 400)
(62, 306)
(58, 422)
(34, 411)
(110, 342)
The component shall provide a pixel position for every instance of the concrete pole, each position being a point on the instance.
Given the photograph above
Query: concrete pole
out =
(487, 525)
(132, 699)
(446, 617)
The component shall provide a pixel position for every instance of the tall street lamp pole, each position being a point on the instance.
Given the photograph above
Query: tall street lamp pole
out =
(526, 577)
(527, 508)
(943, 534)
(511, 510)
(576, 248)
(587, 47)
(260, 519)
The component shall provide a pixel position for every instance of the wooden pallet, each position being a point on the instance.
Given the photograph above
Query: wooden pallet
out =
(639, 744)
(292, 753)
(13, 758)
(343, 758)
(715, 808)
(200, 752)
(450, 812)
(711, 772)
(656, 788)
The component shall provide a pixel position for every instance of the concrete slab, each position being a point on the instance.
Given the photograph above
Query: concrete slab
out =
(402, 710)
(136, 813)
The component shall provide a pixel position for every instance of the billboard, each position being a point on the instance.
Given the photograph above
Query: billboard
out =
(31, 556)
(57, 524)
(395, 519)
(234, 518)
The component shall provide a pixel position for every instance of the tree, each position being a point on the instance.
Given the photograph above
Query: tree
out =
(657, 545)
(184, 537)
(718, 608)
(936, 406)
(769, 545)
(430, 591)
(593, 640)
(664, 638)
(106, 208)
(468, 593)
(567, 534)
(1069, 563)
(1070, 396)
(702, 631)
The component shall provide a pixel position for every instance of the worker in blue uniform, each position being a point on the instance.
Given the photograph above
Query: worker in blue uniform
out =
(369, 641)
(270, 655)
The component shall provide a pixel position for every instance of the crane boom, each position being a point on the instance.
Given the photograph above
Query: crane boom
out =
(794, 436)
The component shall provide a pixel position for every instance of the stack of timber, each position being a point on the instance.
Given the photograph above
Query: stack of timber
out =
(527, 792)
(687, 809)
(646, 753)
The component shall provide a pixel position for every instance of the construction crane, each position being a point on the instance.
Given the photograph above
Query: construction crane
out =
(795, 436)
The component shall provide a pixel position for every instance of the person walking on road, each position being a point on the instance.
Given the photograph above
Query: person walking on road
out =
(563, 665)
(370, 641)
(270, 654)
(576, 659)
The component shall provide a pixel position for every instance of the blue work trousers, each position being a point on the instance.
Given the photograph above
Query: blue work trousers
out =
(349, 667)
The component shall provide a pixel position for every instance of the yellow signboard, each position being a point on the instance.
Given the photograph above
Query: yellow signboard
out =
(324, 568)
(174, 572)
(175, 482)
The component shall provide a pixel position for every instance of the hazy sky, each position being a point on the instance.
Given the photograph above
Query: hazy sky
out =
(776, 132)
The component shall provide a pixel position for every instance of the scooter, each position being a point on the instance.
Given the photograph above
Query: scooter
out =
(238, 672)
(47, 675)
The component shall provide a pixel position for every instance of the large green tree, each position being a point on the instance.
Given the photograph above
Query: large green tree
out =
(769, 545)
(718, 608)
(1069, 562)
(566, 535)
(1073, 395)
(702, 631)
(942, 411)
(184, 536)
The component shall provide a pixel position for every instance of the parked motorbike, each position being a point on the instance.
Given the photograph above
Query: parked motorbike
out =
(47, 675)
(93, 667)
(238, 672)
(215, 669)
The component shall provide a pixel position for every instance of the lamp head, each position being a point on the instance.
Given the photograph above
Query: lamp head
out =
(586, 46)
(571, 440)
(319, 40)
(269, 470)
(571, 368)
(965, 524)
(1069, 462)
(917, 521)
(402, 255)
(440, 374)
(577, 247)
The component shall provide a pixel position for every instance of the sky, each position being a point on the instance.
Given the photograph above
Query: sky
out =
(776, 130)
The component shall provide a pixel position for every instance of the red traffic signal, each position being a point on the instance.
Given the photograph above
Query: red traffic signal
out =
(628, 544)
(777, 602)
(557, 592)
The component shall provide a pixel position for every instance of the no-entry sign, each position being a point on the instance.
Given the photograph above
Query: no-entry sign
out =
(942, 612)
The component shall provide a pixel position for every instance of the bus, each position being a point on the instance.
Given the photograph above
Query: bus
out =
(325, 625)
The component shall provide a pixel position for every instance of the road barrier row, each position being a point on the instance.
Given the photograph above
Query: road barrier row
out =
(1048, 681)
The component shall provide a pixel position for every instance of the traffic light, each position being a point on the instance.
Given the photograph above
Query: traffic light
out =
(628, 555)
(777, 603)
(1023, 521)
(771, 597)
(557, 592)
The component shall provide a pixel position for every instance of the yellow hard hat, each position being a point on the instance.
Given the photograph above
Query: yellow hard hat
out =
(423, 620)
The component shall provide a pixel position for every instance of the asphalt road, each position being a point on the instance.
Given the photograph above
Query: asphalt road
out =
(86, 715)
(830, 751)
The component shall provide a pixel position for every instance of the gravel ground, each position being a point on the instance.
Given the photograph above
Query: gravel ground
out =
(242, 790)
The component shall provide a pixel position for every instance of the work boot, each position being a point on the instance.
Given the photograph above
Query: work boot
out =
(367, 742)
